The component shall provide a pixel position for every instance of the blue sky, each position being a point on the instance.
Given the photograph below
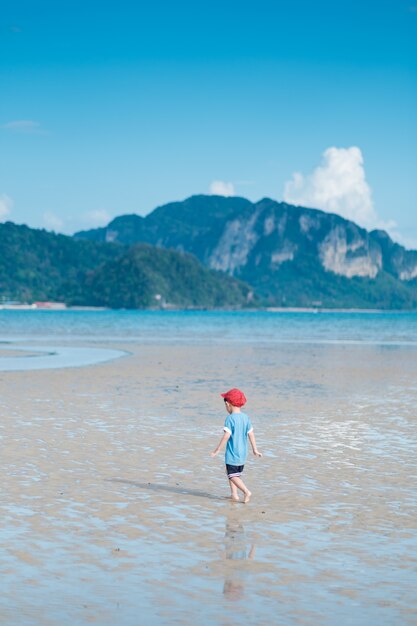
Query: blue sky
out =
(109, 108)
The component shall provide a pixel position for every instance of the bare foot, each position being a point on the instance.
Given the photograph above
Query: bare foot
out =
(235, 498)
(247, 497)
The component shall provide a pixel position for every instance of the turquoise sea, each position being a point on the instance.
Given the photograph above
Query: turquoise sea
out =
(56, 335)
(248, 326)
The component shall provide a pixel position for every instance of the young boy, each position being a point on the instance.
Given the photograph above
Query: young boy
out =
(237, 429)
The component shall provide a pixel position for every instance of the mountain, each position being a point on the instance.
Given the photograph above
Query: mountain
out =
(36, 265)
(39, 265)
(291, 256)
(146, 276)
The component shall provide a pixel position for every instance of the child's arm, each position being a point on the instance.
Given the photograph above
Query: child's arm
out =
(223, 440)
(252, 440)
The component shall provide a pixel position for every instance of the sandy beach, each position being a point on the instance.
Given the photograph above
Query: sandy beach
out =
(113, 511)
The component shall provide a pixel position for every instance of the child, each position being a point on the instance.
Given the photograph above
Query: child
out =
(237, 429)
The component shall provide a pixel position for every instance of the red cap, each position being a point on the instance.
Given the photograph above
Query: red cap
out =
(235, 397)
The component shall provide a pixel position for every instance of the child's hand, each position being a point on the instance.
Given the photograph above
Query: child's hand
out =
(214, 453)
(257, 453)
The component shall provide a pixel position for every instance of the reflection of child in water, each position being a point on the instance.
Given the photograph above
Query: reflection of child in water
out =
(237, 548)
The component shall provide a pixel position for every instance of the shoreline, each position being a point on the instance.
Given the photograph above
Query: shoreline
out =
(63, 309)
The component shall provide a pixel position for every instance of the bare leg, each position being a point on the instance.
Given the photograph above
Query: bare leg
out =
(234, 493)
(238, 482)
(233, 489)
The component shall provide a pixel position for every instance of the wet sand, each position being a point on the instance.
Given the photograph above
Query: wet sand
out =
(113, 512)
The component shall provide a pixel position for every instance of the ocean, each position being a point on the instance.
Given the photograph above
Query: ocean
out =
(201, 326)
(55, 334)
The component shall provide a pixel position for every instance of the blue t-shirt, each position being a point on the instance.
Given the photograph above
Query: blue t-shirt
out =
(239, 426)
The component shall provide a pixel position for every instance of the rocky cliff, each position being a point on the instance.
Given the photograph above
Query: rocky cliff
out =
(290, 255)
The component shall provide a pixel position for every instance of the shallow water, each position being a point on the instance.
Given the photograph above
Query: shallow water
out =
(51, 357)
(114, 513)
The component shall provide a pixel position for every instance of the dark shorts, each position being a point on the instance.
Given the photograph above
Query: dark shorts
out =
(234, 470)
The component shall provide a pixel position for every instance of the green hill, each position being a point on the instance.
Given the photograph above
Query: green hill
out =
(39, 265)
(36, 265)
(145, 276)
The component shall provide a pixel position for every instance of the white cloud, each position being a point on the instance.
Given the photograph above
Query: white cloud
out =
(337, 185)
(53, 222)
(70, 223)
(221, 188)
(23, 126)
(6, 204)
(98, 217)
